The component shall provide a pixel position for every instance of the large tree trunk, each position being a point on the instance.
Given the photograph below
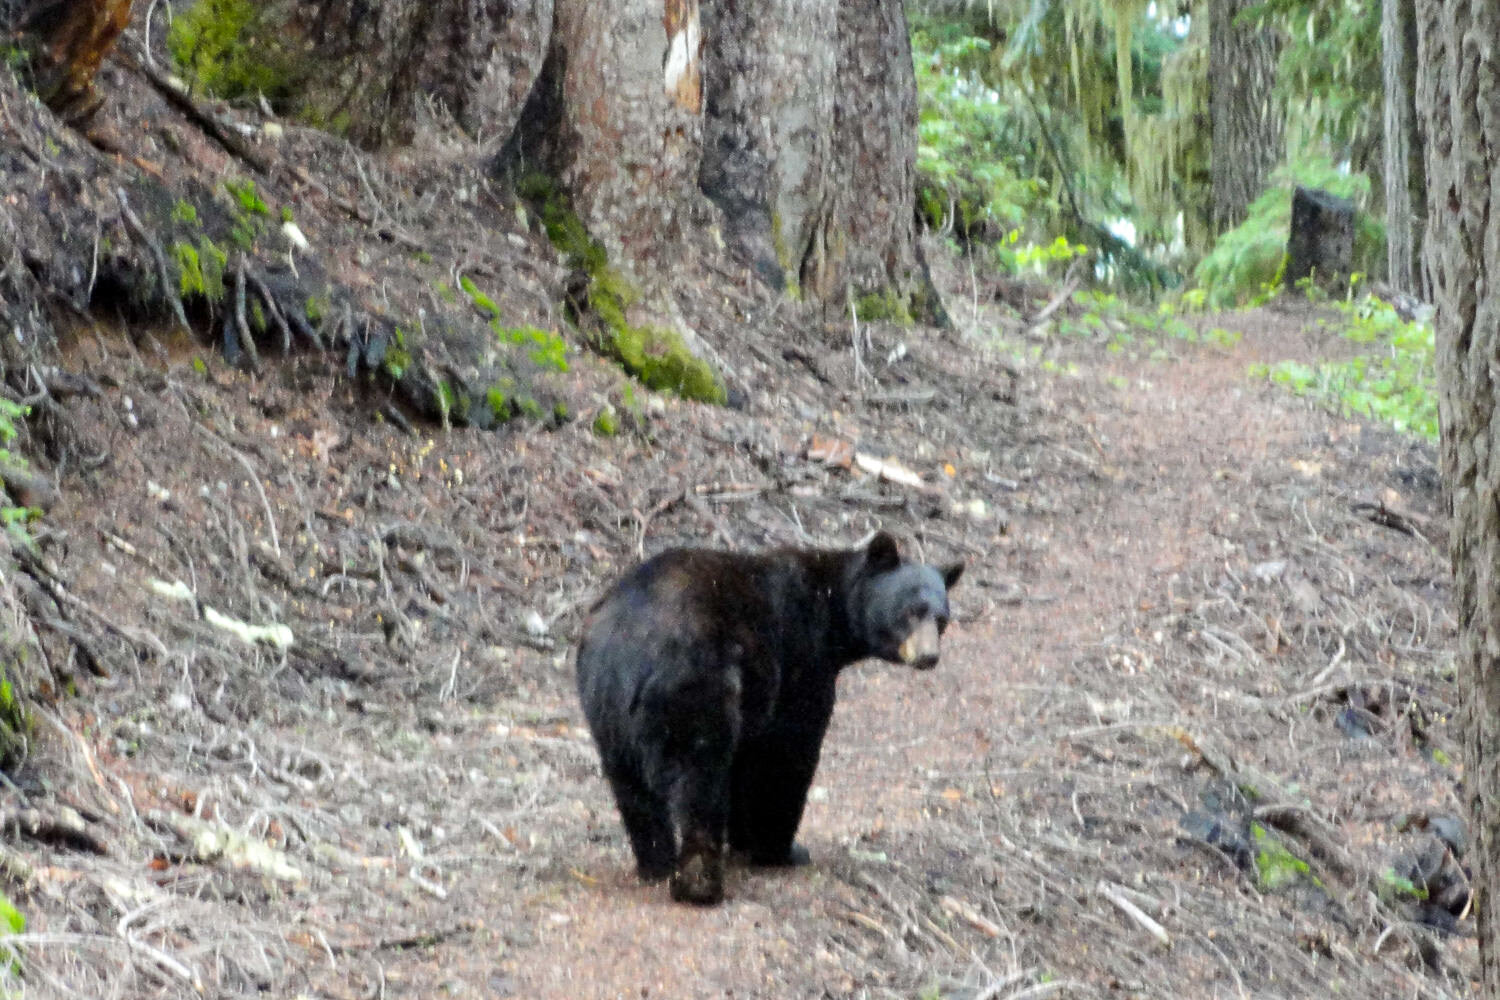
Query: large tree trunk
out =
(73, 37)
(1458, 100)
(631, 124)
(876, 148)
(1405, 182)
(770, 76)
(1246, 119)
(809, 102)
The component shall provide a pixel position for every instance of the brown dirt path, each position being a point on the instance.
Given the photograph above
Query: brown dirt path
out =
(1178, 586)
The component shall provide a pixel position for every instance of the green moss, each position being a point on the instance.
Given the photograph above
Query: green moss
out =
(883, 306)
(250, 201)
(397, 362)
(286, 214)
(445, 292)
(230, 48)
(315, 309)
(560, 412)
(657, 356)
(185, 212)
(482, 301)
(498, 399)
(546, 350)
(200, 268)
(1275, 866)
(606, 423)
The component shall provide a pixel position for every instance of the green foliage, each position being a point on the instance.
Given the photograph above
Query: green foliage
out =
(185, 212)
(1330, 78)
(1247, 262)
(973, 171)
(231, 49)
(547, 350)
(250, 201)
(1393, 383)
(884, 306)
(200, 268)
(1394, 888)
(606, 423)
(1275, 866)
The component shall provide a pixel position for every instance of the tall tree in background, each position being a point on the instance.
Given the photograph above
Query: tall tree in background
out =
(1458, 100)
(1246, 119)
(1405, 181)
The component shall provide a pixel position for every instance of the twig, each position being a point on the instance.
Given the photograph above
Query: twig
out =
(247, 339)
(273, 308)
(1134, 912)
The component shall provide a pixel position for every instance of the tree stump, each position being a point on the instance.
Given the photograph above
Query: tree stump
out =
(1321, 242)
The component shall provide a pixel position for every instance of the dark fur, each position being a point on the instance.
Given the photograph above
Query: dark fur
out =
(708, 682)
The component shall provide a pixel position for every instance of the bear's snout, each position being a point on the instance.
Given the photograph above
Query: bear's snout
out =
(920, 649)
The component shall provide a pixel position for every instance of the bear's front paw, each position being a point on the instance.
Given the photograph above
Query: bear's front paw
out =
(699, 879)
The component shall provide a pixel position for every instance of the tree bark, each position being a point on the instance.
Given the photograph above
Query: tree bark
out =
(875, 144)
(377, 61)
(770, 73)
(631, 125)
(1458, 100)
(73, 38)
(1405, 183)
(1246, 120)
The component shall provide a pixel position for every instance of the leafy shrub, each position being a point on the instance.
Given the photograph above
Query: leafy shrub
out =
(971, 175)
(1394, 382)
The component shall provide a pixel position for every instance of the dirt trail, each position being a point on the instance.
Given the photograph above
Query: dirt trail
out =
(1176, 601)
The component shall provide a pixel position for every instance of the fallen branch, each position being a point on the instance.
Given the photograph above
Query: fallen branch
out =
(1150, 926)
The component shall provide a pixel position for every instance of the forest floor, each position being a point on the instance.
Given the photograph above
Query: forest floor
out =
(1192, 735)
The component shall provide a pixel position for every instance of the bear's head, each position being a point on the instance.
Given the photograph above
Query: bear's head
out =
(903, 607)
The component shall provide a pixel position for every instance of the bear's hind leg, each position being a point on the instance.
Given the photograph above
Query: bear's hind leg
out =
(770, 791)
(700, 809)
(646, 821)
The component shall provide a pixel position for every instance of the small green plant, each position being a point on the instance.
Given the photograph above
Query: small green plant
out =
(185, 212)
(606, 423)
(1275, 866)
(1393, 888)
(1394, 382)
(250, 201)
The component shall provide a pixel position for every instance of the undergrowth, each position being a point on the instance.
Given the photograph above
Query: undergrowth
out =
(1392, 382)
(1247, 262)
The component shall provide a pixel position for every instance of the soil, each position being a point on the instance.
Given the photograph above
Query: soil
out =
(1192, 735)
(1174, 606)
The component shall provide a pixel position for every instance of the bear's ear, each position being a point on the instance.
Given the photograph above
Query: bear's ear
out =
(881, 555)
(951, 574)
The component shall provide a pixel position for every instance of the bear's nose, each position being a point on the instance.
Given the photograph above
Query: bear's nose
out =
(920, 649)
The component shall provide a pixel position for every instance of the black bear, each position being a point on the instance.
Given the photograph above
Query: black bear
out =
(708, 681)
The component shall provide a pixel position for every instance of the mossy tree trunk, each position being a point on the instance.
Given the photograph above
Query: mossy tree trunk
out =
(71, 38)
(875, 146)
(1458, 103)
